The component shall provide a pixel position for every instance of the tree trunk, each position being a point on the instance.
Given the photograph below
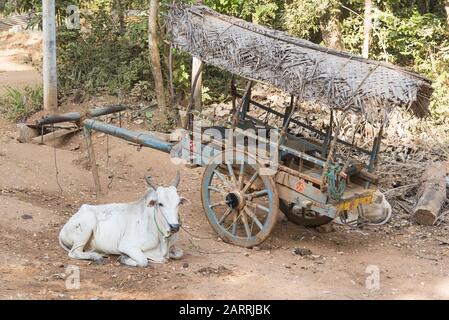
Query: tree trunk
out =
(331, 29)
(367, 29)
(446, 6)
(155, 58)
(119, 12)
(432, 194)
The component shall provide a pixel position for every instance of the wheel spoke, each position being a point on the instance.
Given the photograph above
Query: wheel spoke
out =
(250, 182)
(231, 173)
(234, 222)
(216, 189)
(253, 216)
(223, 179)
(257, 194)
(241, 174)
(245, 223)
(221, 203)
(226, 214)
(258, 206)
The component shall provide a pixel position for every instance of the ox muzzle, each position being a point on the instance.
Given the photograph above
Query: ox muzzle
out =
(174, 228)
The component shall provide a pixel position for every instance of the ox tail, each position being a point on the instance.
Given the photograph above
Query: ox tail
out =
(63, 245)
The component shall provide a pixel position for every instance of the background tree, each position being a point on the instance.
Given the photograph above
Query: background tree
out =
(409, 33)
(447, 12)
(330, 26)
(368, 28)
(155, 58)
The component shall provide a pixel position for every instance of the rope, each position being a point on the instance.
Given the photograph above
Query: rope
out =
(195, 236)
(336, 187)
(56, 163)
(157, 225)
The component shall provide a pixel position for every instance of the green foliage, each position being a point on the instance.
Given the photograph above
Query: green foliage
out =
(264, 12)
(418, 41)
(19, 6)
(101, 59)
(409, 33)
(217, 84)
(231, 7)
(440, 102)
(304, 25)
(182, 66)
(17, 105)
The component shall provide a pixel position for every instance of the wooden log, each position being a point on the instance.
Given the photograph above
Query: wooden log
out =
(432, 194)
(93, 162)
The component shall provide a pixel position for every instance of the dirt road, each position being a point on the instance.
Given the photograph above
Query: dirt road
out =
(32, 265)
(412, 260)
(14, 52)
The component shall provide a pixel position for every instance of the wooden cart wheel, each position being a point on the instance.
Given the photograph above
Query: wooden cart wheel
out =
(240, 203)
(308, 220)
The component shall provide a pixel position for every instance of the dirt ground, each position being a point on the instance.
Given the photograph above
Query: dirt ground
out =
(15, 51)
(412, 260)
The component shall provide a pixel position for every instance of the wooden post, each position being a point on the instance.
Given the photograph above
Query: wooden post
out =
(93, 162)
(233, 94)
(432, 194)
(197, 67)
(245, 99)
(155, 58)
(49, 56)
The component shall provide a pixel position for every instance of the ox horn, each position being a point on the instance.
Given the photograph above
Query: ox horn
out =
(177, 180)
(150, 182)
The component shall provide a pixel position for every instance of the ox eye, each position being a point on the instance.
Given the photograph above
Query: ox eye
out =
(161, 205)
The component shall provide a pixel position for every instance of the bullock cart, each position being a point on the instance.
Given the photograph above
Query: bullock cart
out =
(250, 176)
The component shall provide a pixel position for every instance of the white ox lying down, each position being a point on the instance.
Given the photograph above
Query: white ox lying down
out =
(139, 231)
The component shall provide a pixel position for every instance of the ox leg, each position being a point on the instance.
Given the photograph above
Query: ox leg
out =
(78, 234)
(159, 254)
(134, 257)
(174, 252)
(127, 261)
(78, 253)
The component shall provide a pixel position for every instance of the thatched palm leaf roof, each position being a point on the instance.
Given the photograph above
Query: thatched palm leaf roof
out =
(309, 71)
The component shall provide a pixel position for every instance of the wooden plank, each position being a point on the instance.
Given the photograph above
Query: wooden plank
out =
(299, 123)
(298, 185)
(50, 138)
(301, 175)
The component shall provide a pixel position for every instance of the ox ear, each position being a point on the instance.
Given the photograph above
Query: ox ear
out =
(152, 203)
(152, 199)
(183, 201)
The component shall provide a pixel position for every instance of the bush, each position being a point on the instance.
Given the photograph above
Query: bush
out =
(418, 41)
(18, 105)
(102, 60)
